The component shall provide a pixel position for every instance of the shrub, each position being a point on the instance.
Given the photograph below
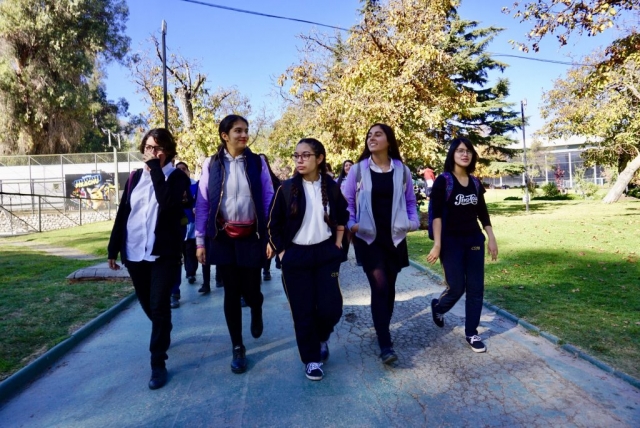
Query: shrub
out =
(550, 189)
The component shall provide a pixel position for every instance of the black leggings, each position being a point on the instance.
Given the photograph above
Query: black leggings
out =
(383, 294)
(240, 281)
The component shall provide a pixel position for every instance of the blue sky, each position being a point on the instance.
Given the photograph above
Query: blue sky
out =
(249, 52)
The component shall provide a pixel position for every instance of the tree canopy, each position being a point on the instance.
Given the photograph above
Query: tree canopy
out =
(413, 65)
(48, 55)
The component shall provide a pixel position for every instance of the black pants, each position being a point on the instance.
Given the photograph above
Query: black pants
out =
(311, 278)
(152, 282)
(239, 281)
(463, 262)
(189, 256)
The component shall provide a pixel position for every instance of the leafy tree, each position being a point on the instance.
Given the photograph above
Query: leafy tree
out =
(194, 110)
(414, 65)
(48, 55)
(608, 112)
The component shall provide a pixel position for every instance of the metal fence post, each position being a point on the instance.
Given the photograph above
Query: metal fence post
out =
(39, 213)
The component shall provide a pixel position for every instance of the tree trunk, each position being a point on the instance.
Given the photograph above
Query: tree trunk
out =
(623, 180)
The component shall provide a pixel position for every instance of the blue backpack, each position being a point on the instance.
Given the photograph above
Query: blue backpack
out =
(449, 189)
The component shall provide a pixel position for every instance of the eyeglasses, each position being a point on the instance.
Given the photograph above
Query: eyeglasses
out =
(464, 152)
(149, 148)
(305, 156)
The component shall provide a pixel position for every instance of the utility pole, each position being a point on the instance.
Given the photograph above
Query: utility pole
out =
(164, 73)
(523, 104)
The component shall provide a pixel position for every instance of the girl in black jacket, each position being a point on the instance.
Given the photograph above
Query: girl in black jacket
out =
(148, 233)
(306, 224)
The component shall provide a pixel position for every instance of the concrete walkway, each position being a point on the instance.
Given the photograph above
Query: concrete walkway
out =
(522, 380)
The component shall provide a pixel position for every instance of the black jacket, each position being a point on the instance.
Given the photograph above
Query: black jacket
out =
(282, 226)
(173, 197)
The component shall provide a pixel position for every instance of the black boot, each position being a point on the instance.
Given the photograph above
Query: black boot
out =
(158, 378)
(239, 362)
(256, 323)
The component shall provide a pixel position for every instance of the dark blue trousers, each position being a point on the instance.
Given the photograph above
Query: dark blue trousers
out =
(462, 258)
(152, 282)
(311, 279)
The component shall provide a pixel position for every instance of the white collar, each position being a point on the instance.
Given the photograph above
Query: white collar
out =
(375, 168)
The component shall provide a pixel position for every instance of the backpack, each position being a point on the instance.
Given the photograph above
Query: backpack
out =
(449, 189)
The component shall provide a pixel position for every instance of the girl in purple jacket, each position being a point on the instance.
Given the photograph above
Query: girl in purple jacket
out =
(382, 209)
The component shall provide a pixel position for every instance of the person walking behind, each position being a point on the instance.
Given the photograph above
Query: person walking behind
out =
(148, 235)
(189, 243)
(234, 195)
(457, 203)
(306, 225)
(266, 269)
(382, 209)
(429, 178)
(342, 181)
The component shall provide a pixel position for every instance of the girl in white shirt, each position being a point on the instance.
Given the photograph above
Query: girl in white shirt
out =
(306, 224)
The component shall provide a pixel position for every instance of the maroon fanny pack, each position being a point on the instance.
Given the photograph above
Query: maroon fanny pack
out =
(238, 229)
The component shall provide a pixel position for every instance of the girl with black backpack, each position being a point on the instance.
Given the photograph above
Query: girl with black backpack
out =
(457, 203)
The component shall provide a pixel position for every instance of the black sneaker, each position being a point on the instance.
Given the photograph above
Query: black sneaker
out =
(388, 356)
(476, 343)
(191, 279)
(256, 323)
(204, 289)
(324, 351)
(313, 371)
(175, 301)
(158, 378)
(239, 361)
(438, 319)
(266, 276)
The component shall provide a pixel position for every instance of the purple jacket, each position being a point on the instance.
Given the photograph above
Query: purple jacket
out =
(404, 214)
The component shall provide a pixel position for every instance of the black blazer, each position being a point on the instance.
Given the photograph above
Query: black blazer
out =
(282, 226)
(173, 195)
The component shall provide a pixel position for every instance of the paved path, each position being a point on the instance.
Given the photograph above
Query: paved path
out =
(522, 380)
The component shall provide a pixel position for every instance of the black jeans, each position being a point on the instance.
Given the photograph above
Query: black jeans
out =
(189, 256)
(462, 258)
(239, 281)
(311, 279)
(152, 282)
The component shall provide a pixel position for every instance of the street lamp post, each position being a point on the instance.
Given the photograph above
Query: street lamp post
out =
(164, 73)
(523, 104)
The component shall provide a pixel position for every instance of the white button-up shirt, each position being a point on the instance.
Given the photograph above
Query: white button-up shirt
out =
(313, 229)
(142, 220)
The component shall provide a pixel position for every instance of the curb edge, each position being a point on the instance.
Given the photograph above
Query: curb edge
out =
(17, 381)
(567, 347)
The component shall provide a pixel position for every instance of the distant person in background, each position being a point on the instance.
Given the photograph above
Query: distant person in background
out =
(189, 244)
(429, 178)
(148, 235)
(266, 270)
(341, 181)
(457, 205)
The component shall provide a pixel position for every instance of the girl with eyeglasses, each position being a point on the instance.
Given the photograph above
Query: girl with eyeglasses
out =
(458, 203)
(148, 233)
(382, 209)
(306, 224)
(234, 194)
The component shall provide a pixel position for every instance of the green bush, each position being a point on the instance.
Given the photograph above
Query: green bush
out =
(550, 189)
(634, 192)
(558, 197)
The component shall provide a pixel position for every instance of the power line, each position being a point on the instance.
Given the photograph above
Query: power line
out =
(233, 9)
(552, 61)
(266, 15)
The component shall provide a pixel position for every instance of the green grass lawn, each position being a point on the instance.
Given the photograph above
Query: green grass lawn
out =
(39, 308)
(570, 268)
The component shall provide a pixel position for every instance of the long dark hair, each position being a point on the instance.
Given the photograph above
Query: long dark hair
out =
(164, 138)
(343, 174)
(394, 151)
(318, 149)
(450, 163)
(226, 124)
